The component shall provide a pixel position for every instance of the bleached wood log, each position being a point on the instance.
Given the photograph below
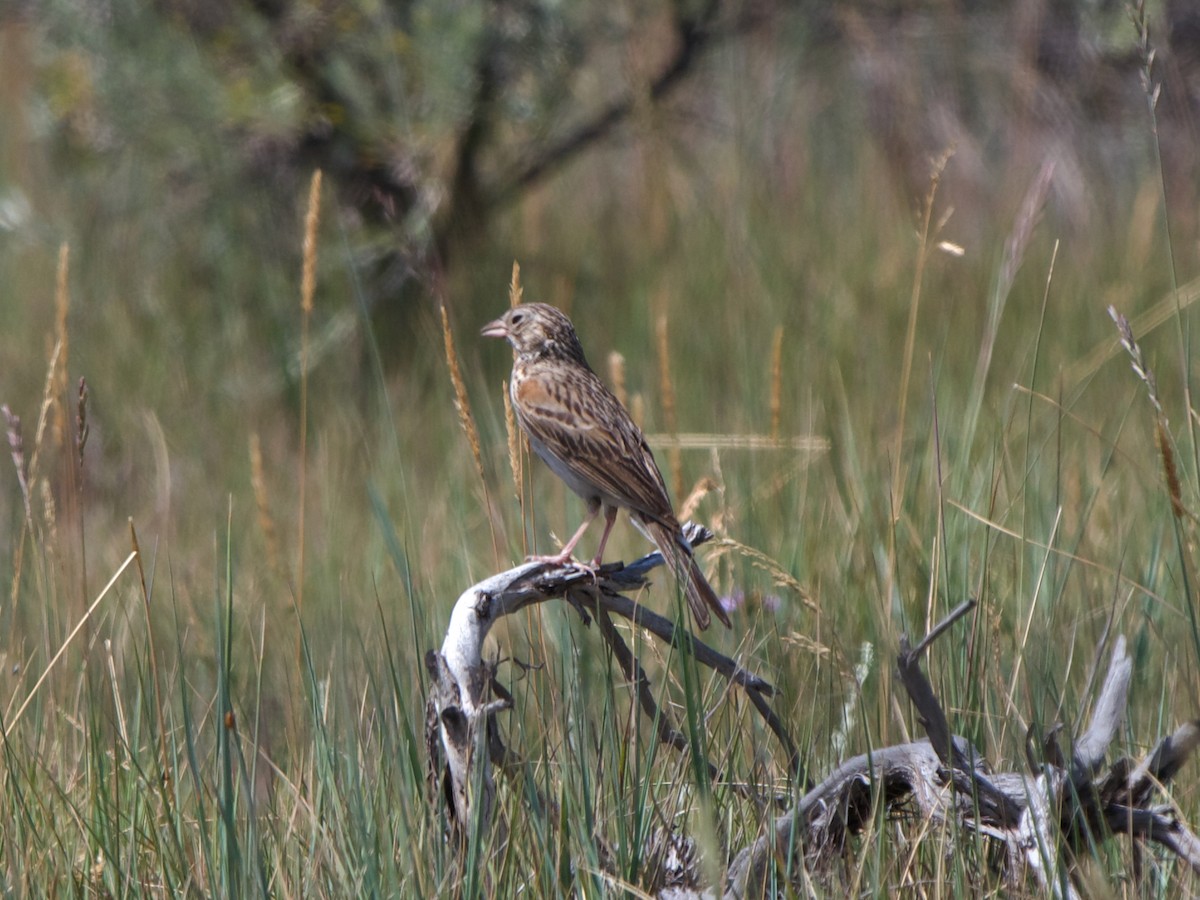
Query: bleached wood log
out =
(1039, 817)
(461, 737)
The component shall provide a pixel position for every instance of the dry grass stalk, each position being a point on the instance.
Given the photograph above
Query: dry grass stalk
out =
(31, 474)
(82, 427)
(761, 561)
(58, 375)
(16, 446)
(1027, 217)
(462, 402)
(515, 439)
(53, 391)
(44, 410)
(1162, 436)
(1137, 361)
(11, 719)
(266, 522)
(49, 511)
(667, 390)
(1170, 470)
(776, 381)
(514, 286)
(616, 377)
(162, 728)
(702, 489)
(308, 280)
(927, 233)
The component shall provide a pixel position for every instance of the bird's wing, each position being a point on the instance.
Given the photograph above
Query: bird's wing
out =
(579, 421)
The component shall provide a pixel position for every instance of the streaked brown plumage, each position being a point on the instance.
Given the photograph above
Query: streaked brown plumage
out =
(583, 433)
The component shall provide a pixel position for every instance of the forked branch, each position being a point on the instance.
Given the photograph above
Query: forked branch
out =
(460, 709)
(1039, 817)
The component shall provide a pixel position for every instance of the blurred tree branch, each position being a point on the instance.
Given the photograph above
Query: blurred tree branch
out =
(519, 53)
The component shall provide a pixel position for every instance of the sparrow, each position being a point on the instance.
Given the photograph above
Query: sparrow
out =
(582, 432)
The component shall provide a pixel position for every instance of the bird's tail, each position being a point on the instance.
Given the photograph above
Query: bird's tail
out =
(678, 555)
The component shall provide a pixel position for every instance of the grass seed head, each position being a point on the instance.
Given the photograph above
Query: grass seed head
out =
(308, 280)
(461, 401)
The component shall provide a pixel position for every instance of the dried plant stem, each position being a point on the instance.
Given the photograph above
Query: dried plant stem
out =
(158, 710)
(74, 463)
(31, 472)
(516, 438)
(462, 403)
(1166, 450)
(16, 446)
(11, 721)
(514, 286)
(62, 304)
(515, 445)
(1153, 90)
(924, 242)
(307, 288)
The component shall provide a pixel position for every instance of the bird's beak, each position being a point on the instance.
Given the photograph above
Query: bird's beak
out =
(495, 329)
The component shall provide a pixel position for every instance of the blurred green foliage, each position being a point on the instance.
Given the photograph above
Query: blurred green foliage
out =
(732, 168)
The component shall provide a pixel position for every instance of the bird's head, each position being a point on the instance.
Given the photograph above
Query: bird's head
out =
(537, 329)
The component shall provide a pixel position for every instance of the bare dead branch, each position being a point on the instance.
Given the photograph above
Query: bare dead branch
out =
(1108, 713)
(458, 705)
(1040, 819)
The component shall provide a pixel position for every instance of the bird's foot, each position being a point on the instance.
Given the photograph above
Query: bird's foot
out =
(558, 559)
(591, 567)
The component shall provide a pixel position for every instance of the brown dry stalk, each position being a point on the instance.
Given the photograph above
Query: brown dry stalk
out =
(514, 286)
(667, 390)
(463, 404)
(461, 401)
(927, 233)
(1027, 217)
(1162, 437)
(62, 303)
(1136, 360)
(515, 438)
(308, 280)
(16, 446)
(266, 522)
(53, 391)
(761, 561)
(616, 376)
(702, 488)
(776, 381)
(1170, 470)
(49, 511)
(44, 411)
(82, 427)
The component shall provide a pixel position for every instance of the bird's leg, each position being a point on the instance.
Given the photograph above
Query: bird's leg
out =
(563, 556)
(610, 516)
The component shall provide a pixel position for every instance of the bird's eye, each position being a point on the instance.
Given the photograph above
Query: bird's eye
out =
(517, 318)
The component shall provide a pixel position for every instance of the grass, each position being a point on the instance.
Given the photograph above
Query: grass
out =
(207, 731)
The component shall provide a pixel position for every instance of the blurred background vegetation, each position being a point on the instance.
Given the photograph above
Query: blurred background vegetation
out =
(990, 175)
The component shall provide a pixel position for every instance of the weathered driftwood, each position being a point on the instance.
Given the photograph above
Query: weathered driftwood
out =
(1040, 817)
(460, 712)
